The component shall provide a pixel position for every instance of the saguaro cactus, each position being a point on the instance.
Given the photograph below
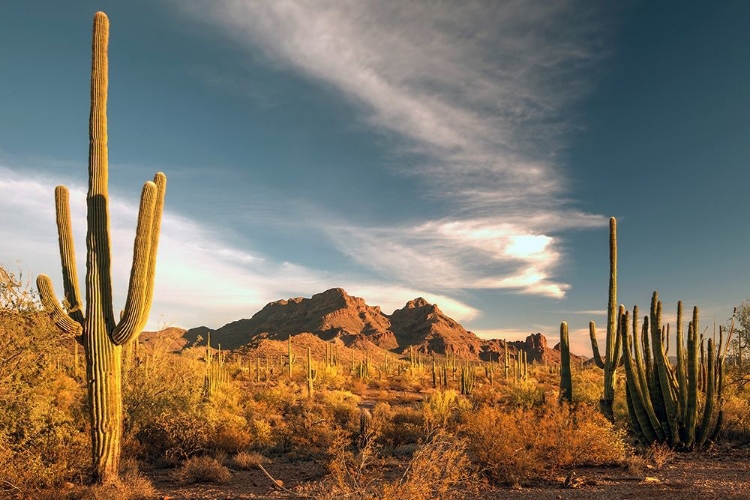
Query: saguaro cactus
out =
(612, 355)
(101, 335)
(566, 381)
(312, 375)
(291, 358)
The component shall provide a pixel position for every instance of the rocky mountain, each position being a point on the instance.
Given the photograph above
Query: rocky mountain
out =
(330, 314)
(336, 316)
(425, 327)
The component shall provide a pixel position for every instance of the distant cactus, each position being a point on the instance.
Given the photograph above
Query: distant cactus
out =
(291, 358)
(507, 360)
(365, 427)
(613, 348)
(312, 375)
(566, 381)
(102, 335)
(468, 379)
(215, 374)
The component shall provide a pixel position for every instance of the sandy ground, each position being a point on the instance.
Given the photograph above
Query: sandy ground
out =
(724, 475)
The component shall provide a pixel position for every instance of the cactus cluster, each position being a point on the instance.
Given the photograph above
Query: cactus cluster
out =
(468, 379)
(215, 373)
(664, 400)
(100, 333)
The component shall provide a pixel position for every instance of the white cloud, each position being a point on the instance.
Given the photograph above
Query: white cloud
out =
(477, 91)
(454, 255)
(200, 279)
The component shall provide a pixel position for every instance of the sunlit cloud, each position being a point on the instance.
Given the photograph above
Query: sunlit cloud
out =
(200, 278)
(472, 94)
(456, 255)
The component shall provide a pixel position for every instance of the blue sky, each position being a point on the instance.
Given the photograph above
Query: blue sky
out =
(470, 153)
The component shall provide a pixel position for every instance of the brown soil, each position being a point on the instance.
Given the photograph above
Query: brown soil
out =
(720, 474)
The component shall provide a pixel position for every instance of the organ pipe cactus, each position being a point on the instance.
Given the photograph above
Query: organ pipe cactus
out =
(468, 379)
(612, 354)
(566, 382)
(665, 407)
(98, 329)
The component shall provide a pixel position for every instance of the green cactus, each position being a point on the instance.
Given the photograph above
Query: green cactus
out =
(291, 358)
(612, 355)
(215, 374)
(102, 336)
(312, 375)
(665, 409)
(507, 359)
(566, 381)
(468, 379)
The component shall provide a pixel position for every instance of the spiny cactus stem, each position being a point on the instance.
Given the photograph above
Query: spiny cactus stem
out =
(566, 384)
(67, 254)
(136, 298)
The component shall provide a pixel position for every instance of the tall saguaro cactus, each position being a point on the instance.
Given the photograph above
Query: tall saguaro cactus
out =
(612, 355)
(99, 332)
(566, 382)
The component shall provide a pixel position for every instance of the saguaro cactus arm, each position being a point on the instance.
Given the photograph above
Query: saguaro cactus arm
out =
(595, 345)
(138, 304)
(52, 305)
(67, 253)
(161, 186)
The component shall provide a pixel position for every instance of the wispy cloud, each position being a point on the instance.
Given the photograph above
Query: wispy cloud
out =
(200, 278)
(475, 94)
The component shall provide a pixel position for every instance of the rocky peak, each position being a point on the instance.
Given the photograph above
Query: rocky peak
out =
(536, 342)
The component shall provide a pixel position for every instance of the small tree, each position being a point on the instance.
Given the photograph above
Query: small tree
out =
(741, 339)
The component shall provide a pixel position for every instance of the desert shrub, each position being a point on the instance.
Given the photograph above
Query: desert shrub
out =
(502, 442)
(635, 464)
(203, 469)
(130, 486)
(248, 460)
(231, 439)
(522, 444)
(660, 454)
(438, 467)
(737, 414)
(343, 407)
(523, 394)
(175, 436)
(399, 425)
(575, 436)
(43, 435)
(306, 429)
(330, 377)
(443, 410)
(349, 472)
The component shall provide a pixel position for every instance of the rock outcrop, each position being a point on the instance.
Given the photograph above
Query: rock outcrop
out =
(424, 327)
(336, 316)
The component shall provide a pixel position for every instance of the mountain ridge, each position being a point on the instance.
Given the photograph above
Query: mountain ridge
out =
(334, 315)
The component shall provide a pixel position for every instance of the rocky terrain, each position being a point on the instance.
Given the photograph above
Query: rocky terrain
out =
(336, 316)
